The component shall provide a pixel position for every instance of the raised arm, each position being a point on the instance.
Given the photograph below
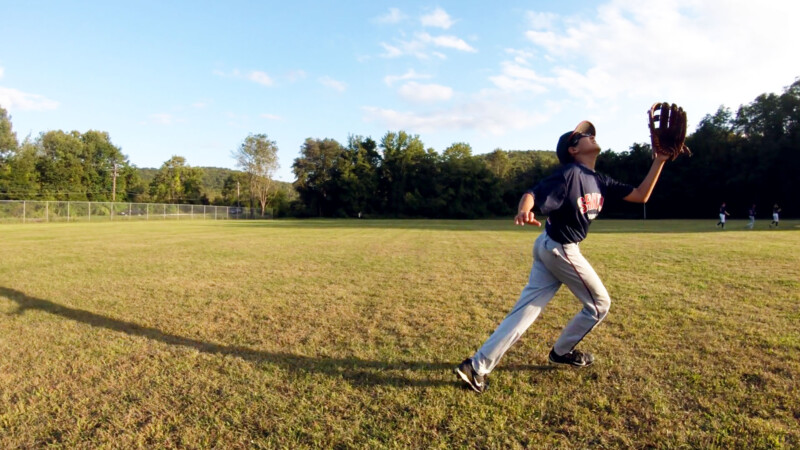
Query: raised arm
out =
(642, 193)
(525, 211)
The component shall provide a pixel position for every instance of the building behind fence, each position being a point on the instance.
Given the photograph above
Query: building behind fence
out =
(27, 211)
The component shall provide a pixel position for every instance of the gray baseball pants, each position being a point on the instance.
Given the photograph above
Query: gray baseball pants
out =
(554, 264)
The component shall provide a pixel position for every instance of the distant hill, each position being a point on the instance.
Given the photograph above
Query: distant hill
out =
(213, 180)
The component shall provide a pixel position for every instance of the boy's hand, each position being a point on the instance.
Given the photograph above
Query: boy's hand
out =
(524, 217)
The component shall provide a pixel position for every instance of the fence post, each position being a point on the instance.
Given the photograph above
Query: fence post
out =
(23, 211)
(165, 211)
(68, 203)
(47, 211)
(90, 211)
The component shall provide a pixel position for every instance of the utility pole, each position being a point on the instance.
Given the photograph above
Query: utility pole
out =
(114, 185)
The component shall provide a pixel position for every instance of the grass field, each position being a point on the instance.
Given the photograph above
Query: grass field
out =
(323, 333)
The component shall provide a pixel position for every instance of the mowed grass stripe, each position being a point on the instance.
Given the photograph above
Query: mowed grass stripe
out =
(344, 332)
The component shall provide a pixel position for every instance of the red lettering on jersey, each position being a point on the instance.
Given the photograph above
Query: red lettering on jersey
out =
(590, 202)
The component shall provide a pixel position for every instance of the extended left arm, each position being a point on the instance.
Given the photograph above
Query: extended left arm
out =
(642, 193)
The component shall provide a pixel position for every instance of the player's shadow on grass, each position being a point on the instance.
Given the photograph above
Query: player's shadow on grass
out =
(357, 372)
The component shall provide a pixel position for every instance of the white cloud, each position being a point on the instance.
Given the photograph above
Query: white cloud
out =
(423, 93)
(520, 56)
(1, 72)
(699, 54)
(495, 117)
(393, 16)
(516, 78)
(165, 119)
(540, 20)
(447, 42)
(15, 99)
(271, 117)
(260, 78)
(255, 76)
(410, 75)
(333, 84)
(419, 46)
(199, 105)
(438, 18)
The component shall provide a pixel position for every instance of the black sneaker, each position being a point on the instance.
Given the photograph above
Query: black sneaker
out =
(574, 358)
(478, 383)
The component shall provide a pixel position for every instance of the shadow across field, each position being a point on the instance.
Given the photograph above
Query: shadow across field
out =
(358, 372)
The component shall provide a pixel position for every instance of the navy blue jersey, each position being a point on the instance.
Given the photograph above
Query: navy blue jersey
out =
(722, 210)
(751, 212)
(572, 197)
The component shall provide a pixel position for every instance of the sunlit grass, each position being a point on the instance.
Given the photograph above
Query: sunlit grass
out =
(344, 333)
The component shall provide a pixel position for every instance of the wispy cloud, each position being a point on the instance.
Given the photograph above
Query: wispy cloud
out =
(260, 78)
(493, 117)
(420, 45)
(425, 93)
(393, 16)
(333, 84)
(517, 78)
(1, 72)
(521, 57)
(296, 75)
(448, 42)
(166, 119)
(540, 20)
(410, 75)
(15, 99)
(603, 55)
(270, 117)
(438, 18)
(256, 76)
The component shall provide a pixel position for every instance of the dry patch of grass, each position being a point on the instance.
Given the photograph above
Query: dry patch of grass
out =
(344, 333)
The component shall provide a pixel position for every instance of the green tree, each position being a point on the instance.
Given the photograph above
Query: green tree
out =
(177, 182)
(8, 139)
(60, 164)
(401, 153)
(499, 163)
(314, 173)
(355, 178)
(20, 180)
(236, 190)
(258, 157)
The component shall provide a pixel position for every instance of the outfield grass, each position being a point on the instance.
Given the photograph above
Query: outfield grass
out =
(323, 333)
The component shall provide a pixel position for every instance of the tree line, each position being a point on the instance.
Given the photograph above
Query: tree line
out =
(58, 165)
(750, 156)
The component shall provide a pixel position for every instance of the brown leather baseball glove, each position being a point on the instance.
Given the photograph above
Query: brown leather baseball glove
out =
(668, 130)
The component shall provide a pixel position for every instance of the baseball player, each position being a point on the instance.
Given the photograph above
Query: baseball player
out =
(723, 212)
(751, 214)
(775, 211)
(571, 198)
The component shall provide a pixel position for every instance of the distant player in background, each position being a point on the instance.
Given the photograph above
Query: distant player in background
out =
(751, 214)
(723, 212)
(775, 211)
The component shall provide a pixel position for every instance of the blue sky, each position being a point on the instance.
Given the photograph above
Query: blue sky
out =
(195, 78)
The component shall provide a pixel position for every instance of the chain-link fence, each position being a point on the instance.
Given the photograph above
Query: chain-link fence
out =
(28, 211)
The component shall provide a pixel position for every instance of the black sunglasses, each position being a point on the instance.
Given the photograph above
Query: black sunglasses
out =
(576, 138)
